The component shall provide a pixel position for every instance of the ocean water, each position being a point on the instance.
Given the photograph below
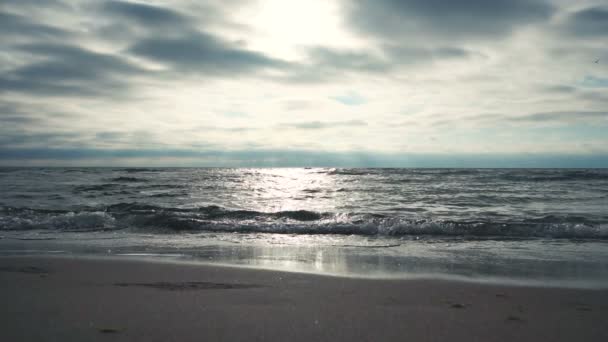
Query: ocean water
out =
(519, 225)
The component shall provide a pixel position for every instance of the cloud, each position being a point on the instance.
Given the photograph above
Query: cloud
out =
(22, 139)
(324, 64)
(313, 125)
(17, 119)
(204, 53)
(67, 70)
(362, 61)
(555, 117)
(37, 64)
(71, 62)
(406, 55)
(12, 113)
(600, 97)
(116, 139)
(144, 14)
(591, 22)
(404, 20)
(31, 87)
(180, 15)
(110, 136)
(563, 117)
(132, 74)
(37, 4)
(175, 40)
(17, 26)
(558, 88)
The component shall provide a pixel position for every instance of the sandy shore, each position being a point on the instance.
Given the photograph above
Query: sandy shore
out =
(61, 299)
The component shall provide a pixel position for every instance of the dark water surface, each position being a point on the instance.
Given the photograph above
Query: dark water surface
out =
(505, 223)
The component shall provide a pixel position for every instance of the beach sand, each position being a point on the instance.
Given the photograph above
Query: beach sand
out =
(76, 299)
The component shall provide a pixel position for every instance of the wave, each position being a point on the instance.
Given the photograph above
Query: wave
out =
(555, 176)
(99, 187)
(403, 171)
(350, 172)
(128, 179)
(65, 221)
(164, 195)
(512, 175)
(136, 170)
(217, 219)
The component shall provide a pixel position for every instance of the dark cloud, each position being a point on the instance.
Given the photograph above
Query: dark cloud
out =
(322, 125)
(559, 89)
(325, 64)
(67, 70)
(21, 138)
(124, 22)
(174, 39)
(12, 113)
(595, 96)
(15, 119)
(401, 20)
(416, 55)
(71, 62)
(137, 18)
(157, 17)
(37, 4)
(33, 87)
(205, 53)
(565, 116)
(17, 26)
(132, 138)
(348, 60)
(111, 136)
(590, 22)
(499, 119)
(144, 14)
(182, 42)
(556, 117)
(43, 66)
(389, 58)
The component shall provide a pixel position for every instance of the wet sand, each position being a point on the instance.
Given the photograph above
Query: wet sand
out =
(65, 299)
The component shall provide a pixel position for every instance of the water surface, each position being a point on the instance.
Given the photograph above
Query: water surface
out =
(542, 225)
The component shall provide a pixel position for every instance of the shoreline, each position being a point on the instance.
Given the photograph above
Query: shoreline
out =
(73, 299)
(184, 260)
(539, 263)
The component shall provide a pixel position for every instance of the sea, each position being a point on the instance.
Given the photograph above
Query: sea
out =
(546, 227)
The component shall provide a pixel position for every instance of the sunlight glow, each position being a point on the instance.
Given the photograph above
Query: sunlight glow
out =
(285, 26)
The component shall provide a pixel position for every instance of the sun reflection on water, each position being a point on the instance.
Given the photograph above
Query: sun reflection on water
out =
(284, 189)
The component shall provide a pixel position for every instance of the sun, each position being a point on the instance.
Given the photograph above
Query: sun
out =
(285, 27)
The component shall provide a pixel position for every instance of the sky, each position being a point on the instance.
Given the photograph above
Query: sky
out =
(415, 83)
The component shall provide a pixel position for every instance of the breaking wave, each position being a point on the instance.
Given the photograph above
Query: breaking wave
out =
(157, 219)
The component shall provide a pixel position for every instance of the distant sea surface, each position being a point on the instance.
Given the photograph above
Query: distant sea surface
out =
(493, 223)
